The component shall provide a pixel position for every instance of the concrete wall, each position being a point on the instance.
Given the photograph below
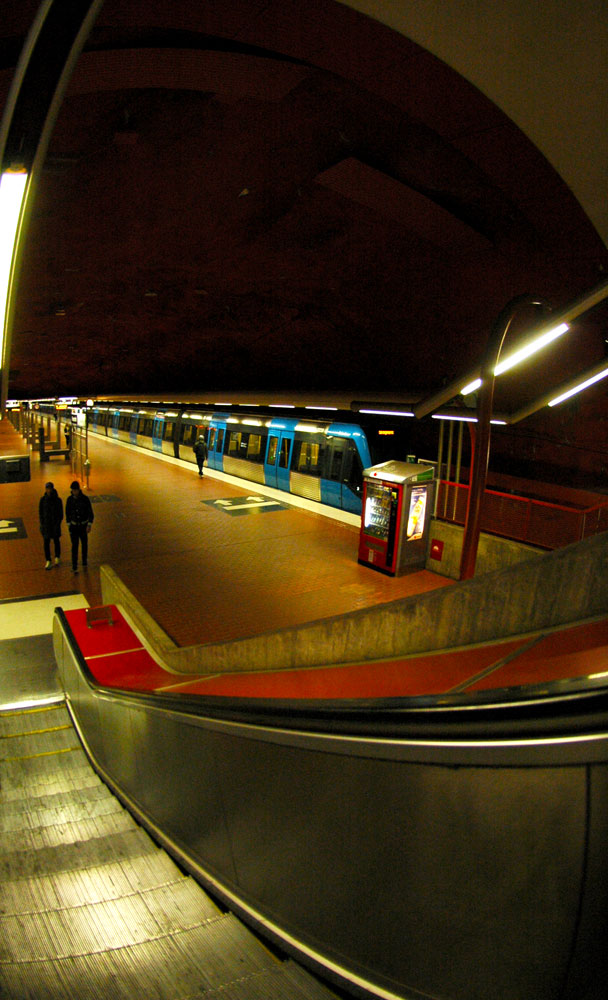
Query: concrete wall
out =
(545, 591)
(493, 553)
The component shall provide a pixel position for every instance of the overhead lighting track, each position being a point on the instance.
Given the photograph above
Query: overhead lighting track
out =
(578, 388)
(527, 347)
(563, 392)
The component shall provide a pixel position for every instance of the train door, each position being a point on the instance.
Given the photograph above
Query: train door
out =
(215, 444)
(158, 428)
(278, 458)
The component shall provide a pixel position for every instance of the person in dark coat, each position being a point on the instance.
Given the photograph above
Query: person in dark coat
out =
(50, 513)
(79, 517)
(200, 450)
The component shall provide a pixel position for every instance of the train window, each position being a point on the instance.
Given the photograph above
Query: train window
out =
(190, 433)
(234, 442)
(307, 457)
(255, 448)
(284, 455)
(148, 425)
(211, 442)
(187, 434)
(272, 449)
(124, 421)
(134, 424)
(219, 444)
(168, 434)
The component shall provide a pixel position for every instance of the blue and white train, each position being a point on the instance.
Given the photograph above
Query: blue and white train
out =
(317, 459)
(321, 459)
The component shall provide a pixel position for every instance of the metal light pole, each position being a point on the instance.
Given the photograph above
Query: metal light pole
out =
(481, 439)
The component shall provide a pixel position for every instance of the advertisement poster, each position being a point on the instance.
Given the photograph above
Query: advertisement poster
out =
(415, 521)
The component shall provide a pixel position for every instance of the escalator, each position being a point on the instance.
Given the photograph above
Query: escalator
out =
(449, 846)
(91, 907)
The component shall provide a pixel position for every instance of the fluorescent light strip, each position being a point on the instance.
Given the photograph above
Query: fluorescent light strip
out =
(531, 348)
(447, 416)
(579, 388)
(12, 190)
(389, 413)
(466, 420)
(471, 387)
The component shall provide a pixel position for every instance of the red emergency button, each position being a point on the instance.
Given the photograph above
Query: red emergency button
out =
(436, 549)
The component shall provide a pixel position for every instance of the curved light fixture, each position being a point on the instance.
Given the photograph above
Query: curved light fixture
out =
(12, 190)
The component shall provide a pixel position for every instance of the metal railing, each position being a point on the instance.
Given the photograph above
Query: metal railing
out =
(523, 519)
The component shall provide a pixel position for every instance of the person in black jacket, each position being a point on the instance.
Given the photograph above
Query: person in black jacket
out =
(200, 450)
(50, 513)
(79, 517)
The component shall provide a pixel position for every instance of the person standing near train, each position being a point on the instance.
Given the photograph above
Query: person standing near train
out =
(200, 450)
(79, 517)
(50, 513)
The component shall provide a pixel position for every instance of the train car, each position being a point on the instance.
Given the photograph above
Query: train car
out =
(318, 460)
(143, 428)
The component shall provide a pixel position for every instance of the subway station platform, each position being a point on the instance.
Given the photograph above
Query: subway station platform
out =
(210, 561)
(90, 904)
(213, 560)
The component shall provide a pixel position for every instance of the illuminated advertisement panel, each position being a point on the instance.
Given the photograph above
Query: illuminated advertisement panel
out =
(416, 515)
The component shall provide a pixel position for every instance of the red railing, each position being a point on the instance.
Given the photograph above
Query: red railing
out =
(535, 522)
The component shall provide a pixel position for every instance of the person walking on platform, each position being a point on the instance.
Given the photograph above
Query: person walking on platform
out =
(200, 450)
(79, 517)
(50, 513)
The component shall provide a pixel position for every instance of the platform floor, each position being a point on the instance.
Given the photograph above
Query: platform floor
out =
(205, 567)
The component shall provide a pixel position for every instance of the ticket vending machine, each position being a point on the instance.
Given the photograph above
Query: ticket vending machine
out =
(397, 507)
